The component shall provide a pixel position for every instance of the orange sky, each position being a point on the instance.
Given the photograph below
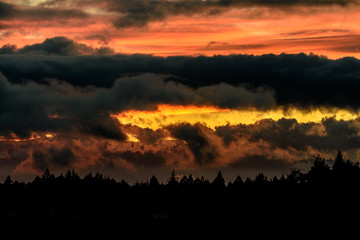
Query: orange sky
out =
(332, 31)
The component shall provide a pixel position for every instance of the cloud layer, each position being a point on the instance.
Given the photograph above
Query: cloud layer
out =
(299, 80)
(56, 106)
(31, 107)
(60, 46)
(139, 13)
(11, 11)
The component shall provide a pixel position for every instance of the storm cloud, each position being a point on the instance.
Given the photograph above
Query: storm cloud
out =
(60, 46)
(141, 12)
(202, 149)
(328, 135)
(58, 157)
(54, 107)
(11, 11)
(299, 80)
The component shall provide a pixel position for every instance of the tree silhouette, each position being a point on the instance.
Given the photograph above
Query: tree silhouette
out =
(190, 179)
(219, 180)
(47, 177)
(319, 172)
(95, 201)
(184, 180)
(173, 180)
(8, 180)
(339, 163)
(238, 181)
(260, 179)
(154, 182)
(295, 176)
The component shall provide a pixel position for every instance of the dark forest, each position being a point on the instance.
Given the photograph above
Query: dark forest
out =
(99, 206)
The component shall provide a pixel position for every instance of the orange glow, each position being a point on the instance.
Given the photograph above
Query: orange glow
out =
(35, 136)
(331, 31)
(3, 139)
(131, 138)
(212, 116)
(55, 116)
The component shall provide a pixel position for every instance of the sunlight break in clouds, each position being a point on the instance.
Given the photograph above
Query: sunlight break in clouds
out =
(213, 117)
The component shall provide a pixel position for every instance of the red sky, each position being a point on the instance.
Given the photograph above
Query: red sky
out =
(329, 30)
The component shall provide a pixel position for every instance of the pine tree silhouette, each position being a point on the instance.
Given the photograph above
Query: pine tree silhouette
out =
(8, 180)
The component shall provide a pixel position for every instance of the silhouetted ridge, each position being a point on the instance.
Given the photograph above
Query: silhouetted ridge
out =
(99, 206)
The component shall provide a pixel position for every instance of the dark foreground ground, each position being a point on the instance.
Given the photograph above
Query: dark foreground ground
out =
(325, 201)
(102, 212)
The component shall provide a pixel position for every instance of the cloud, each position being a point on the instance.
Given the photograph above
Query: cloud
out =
(228, 96)
(299, 80)
(140, 13)
(30, 107)
(147, 159)
(328, 135)
(11, 11)
(60, 46)
(8, 49)
(216, 46)
(262, 162)
(202, 149)
(53, 157)
(250, 147)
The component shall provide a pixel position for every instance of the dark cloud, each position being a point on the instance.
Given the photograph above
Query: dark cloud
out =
(140, 13)
(261, 162)
(108, 129)
(10, 11)
(53, 158)
(148, 159)
(149, 136)
(6, 10)
(144, 92)
(296, 79)
(228, 96)
(8, 49)
(328, 135)
(63, 157)
(216, 46)
(101, 38)
(201, 147)
(60, 46)
(309, 32)
(32, 106)
(230, 134)
(39, 160)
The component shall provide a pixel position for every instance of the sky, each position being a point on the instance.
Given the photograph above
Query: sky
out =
(133, 88)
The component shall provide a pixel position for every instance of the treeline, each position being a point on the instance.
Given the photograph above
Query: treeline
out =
(97, 206)
(341, 172)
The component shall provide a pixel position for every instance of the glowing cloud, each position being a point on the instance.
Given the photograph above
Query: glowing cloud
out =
(213, 117)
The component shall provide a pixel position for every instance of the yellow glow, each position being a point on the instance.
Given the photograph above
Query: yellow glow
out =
(169, 139)
(213, 116)
(131, 138)
(48, 135)
(14, 138)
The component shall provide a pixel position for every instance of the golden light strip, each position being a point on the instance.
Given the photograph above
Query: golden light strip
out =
(213, 116)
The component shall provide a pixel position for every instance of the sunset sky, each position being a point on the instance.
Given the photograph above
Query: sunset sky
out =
(133, 88)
